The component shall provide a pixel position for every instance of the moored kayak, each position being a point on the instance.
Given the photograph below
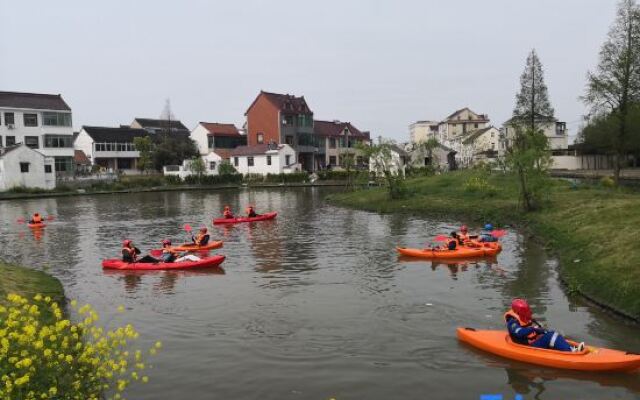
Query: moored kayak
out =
(591, 359)
(487, 249)
(216, 244)
(209, 262)
(37, 226)
(261, 217)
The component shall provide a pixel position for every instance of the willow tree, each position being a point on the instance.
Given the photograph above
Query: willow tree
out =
(529, 155)
(613, 89)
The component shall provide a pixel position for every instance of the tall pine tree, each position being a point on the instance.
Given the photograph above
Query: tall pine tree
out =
(532, 102)
(613, 90)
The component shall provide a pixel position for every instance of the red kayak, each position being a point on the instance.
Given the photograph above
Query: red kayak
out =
(209, 262)
(261, 217)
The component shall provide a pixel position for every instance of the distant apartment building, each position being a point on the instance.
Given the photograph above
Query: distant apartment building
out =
(40, 121)
(422, 131)
(284, 119)
(217, 137)
(337, 139)
(110, 148)
(555, 131)
(158, 126)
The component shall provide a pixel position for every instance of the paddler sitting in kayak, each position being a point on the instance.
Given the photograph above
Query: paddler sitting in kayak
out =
(485, 234)
(227, 212)
(520, 325)
(130, 254)
(202, 238)
(463, 236)
(251, 212)
(169, 255)
(452, 243)
(36, 219)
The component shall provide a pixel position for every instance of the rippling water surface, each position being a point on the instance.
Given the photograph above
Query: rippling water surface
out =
(312, 305)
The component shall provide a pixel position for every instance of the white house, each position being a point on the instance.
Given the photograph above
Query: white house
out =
(397, 164)
(221, 138)
(21, 166)
(40, 121)
(110, 148)
(265, 159)
(479, 145)
(211, 163)
(460, 123)
(422, 131)
(555, 131)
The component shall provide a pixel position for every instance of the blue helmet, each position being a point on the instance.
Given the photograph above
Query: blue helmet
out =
(488, 227)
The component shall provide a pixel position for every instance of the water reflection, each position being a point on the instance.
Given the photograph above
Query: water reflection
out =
(163, 282)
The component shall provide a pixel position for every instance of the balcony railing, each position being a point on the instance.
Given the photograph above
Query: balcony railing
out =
(114, 147)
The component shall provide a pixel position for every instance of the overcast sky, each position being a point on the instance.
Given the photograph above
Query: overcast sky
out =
(379, 64)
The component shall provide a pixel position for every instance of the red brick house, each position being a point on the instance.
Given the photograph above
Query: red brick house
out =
(285, 119)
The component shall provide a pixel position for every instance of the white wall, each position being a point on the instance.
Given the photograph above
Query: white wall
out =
(84, 142)
(199, 135)
(184, 170)
(260, 166)
(11, 175)
(396, 166)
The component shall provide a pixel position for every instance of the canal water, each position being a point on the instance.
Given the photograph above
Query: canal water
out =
(313, 305)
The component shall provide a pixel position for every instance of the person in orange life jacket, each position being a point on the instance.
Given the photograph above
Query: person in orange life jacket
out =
(202, 238)
(251, 212)
(464, 234)
(520, 326)
(169, 255)
(36, 219)
(227, 212)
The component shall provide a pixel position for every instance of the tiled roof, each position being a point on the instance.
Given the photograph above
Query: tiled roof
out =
(524, 119)
(336, 129)
(286, 103)
(150, 123)
(80, 158)
(35, 101)
(5, 150)
(253, 150)
(218, 129)
(114, 135)
(473, 135)
(483, 117)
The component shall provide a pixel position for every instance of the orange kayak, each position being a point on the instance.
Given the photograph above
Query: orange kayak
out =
(483, 250)
(591, 359)
(38, 225)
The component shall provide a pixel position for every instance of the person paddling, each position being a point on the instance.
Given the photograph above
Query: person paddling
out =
(36, 219)
(227, 212)
(251, 212)
(202, 238)
(452, 243)
(464, 234)
(169, 255)
(486, 235)
(520, 326)
(129, 251)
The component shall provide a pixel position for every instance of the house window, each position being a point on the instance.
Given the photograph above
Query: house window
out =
(332, 143)
(56, 119)
(24, 167)
(332, 160)
(0, 141)
(58, 141)
(11, 140)
(47, 169)
(212, 165)
(31, 141)
(235, 161)
(289, 140)
(65, 164)
(493, 146)
(30, 119)
(492, 134)
(360, 160)
(287, 159)
(268, 160)
(8, 118)
(250, 161)
(210, 141)
(260, 137)
(475, 126)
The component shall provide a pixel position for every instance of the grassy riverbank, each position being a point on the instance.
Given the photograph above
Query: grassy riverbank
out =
(27, 283)
(591, 229)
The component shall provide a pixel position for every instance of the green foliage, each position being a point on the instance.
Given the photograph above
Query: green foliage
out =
(198, 167)
(333, 175)
(144, 147)
(481, 185)
(214, 179)
(295, 177)
(607, 182)
(173, 180)
(225, 168)
(381, 158)
(420, 171)
(532, 101)
(172, 150)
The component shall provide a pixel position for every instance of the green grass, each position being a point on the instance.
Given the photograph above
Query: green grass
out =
(27, 283)
(590, 228)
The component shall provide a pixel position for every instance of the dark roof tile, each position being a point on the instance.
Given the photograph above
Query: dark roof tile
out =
(218, 129)
(116, 135)
(336, 129)
(35, 101)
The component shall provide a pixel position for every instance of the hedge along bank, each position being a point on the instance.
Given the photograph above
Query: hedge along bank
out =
(588, 227)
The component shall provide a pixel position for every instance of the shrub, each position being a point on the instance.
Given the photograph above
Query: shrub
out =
(295, 177)
(607, 182)
(420, 171)
(173, 180)
(213, 179)
(480, 185)
(341, 175)
(44, 355)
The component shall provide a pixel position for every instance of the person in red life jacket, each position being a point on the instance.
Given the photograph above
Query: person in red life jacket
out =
(227, 212)
(463, 236)
(520, 325)
(36, 219)
(202, 238)
(251, 212)
(129, 251)
(169, 255)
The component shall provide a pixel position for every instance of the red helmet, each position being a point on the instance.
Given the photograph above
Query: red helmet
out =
(464, 228)
(203, 229)
(126, 243)
(166, 242)
(521, 307)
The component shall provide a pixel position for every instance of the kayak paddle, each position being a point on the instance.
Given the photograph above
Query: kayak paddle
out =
(441, 238)
(498, 233)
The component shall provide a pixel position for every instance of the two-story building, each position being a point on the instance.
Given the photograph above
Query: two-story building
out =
(217, 137)
(40, 121)
(478, 146)
(337, 140)
(422, 131)
(284, 119)
(555, 131)
(111, 148)
(459, 123)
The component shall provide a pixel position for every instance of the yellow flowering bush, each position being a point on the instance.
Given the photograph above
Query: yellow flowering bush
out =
(54, 358)
(480, 185)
